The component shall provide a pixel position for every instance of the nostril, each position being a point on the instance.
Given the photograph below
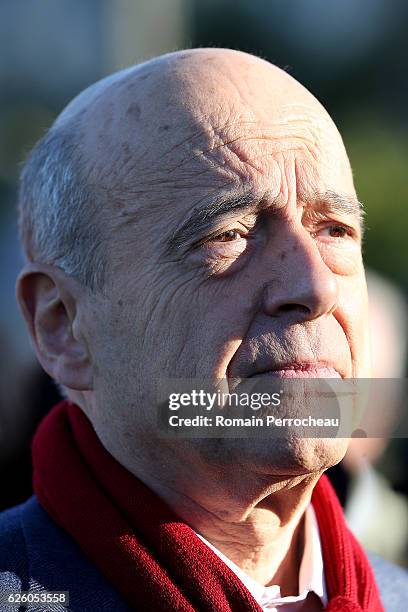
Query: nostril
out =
(293, 308)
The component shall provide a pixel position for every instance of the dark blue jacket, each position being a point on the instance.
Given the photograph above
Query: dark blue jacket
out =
(36, 555)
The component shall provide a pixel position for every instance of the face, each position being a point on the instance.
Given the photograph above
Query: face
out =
(242, 255)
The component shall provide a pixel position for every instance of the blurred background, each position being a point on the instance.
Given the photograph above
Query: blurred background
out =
(352, 55)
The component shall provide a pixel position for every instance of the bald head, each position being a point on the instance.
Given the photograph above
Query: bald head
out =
(191, 101)
(187, 77)
(155, 132)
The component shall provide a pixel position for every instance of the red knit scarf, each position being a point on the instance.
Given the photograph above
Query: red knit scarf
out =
(155, 560)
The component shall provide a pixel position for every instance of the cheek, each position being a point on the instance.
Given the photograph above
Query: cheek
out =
(230, 313)
(207, 322)
(352, 314)
(342, 258)
(186, 326)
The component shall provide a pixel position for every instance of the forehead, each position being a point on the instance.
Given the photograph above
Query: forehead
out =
(172, 138)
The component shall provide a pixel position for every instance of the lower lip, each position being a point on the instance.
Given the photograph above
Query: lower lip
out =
(317, 372)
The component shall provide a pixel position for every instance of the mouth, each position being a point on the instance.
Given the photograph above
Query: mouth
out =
(300, 370)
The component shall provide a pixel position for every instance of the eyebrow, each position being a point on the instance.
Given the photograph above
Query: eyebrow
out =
(337, 202)
(202, 218)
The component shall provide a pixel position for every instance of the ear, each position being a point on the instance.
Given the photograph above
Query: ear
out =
(48, 299)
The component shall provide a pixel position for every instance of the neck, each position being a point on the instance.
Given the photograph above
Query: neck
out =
(262, 532)
(253, 517)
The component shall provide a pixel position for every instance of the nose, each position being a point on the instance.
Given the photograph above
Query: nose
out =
(303, 288)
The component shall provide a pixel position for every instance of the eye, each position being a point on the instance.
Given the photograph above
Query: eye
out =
(227, 236)
(335, 231)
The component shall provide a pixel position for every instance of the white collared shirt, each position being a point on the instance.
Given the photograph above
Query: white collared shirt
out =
(311, 573)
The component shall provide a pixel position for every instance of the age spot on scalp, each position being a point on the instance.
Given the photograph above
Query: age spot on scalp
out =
(134, 110)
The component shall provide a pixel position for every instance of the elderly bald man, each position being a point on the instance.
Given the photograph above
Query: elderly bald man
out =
(192, 217)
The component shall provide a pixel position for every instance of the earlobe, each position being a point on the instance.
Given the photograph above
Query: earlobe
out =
(49, 307)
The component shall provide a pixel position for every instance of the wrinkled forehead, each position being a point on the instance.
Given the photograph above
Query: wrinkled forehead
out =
(189, 122)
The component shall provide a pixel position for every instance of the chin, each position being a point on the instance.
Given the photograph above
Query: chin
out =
(307, 455)
(291, 456)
